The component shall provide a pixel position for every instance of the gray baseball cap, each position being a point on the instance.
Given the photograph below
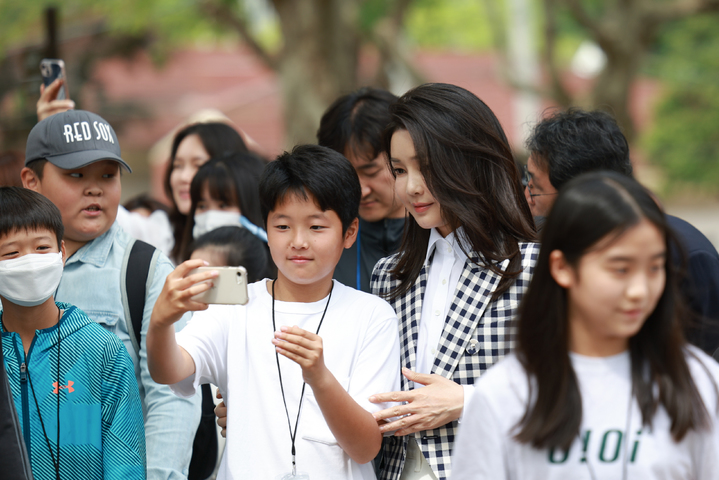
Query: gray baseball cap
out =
(73, 139)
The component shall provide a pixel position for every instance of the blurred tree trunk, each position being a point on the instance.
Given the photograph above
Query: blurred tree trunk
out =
(318, 59)
(625, 30)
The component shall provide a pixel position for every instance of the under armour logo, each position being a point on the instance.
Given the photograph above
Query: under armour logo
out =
(68, 387)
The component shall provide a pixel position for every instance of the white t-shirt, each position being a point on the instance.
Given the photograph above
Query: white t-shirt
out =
(232, 348)
(486, 449)
(155, 229)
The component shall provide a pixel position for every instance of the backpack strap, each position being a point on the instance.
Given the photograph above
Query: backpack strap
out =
(138, 270)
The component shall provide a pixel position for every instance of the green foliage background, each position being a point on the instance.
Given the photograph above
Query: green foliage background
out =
(684, 141)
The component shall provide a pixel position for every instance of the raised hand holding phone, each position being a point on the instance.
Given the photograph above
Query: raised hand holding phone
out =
(54, 96)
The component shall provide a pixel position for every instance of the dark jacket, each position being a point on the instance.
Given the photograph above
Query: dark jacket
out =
(376, 240)
(700, 286)
(15, 464)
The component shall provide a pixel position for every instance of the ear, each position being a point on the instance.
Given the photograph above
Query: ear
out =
(62, 250)
(30, 180)
(351, 233)
(561, 271)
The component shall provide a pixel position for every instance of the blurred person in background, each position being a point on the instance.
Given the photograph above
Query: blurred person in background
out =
(568, 143)
(353, 126)
(10, 165)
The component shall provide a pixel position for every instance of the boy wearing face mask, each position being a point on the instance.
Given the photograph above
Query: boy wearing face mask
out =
(72, 382)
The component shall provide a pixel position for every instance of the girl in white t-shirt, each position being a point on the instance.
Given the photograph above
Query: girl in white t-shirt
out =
(602, 384)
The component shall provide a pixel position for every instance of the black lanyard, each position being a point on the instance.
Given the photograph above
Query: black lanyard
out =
(279, 372)
(55, 464)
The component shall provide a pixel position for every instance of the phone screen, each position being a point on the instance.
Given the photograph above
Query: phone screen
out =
(52, 69)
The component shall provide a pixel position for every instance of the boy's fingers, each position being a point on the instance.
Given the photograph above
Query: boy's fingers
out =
(182, 269)
(297, 340)
(295, 330)
(292, 356)
(297, 350)
(196, 279)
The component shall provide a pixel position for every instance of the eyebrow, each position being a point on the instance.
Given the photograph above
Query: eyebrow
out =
(280, 216)
(44, 238)
(368, 165)
(630, 259)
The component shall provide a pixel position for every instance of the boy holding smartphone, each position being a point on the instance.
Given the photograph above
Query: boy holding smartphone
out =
(302, 329)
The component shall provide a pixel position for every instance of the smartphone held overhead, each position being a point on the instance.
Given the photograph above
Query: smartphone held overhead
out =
(51, 69)
(229, 287)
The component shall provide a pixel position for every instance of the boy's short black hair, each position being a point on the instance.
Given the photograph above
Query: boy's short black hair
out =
(25, 209)
(321, 171)
(38, 166)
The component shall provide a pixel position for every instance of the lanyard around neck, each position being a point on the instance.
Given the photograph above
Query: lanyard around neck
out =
(293, 435)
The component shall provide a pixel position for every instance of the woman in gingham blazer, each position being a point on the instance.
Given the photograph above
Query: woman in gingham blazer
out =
(470, 233)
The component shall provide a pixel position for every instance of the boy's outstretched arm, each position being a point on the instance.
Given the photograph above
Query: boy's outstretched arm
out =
(168, 362)
(354, 427)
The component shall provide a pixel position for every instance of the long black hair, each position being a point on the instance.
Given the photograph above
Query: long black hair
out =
(218, 139)
(232, 179)
(468, 166)
(590, 208)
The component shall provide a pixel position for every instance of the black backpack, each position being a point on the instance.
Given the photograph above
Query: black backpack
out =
(139, 270)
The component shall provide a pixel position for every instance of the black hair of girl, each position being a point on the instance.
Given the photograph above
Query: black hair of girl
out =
(468, 167)
(589, 209)
(218, 139)
(240, 248)
(232, 179)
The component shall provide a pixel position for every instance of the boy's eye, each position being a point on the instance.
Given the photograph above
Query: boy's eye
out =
(76, 175)
(10, 254)
(317, 227)
(109, 175)
(282, 227)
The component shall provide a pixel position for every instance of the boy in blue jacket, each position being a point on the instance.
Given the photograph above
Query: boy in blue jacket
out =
(72, 382)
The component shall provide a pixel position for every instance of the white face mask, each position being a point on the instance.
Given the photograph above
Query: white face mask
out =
(212, 219)
(31, 279)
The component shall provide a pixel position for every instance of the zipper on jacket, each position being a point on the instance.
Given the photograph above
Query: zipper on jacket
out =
(25, 406)
(24, 391)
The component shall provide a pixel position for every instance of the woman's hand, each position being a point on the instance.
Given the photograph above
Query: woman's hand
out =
(176, 296)
(48, 104)
(437, 403)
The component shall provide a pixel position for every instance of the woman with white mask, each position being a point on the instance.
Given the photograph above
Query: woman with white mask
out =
(224, 193)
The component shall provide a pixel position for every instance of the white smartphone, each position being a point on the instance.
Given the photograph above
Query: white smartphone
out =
(52, 69)
(229, 287)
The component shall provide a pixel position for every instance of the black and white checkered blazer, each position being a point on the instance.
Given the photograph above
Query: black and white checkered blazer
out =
(477, 333)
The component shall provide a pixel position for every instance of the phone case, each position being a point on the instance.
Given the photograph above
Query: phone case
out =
(230, 287)
(51, 69)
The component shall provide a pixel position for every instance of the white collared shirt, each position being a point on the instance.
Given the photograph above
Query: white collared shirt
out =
(442, 279)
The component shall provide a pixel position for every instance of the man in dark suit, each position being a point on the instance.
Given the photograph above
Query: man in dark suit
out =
(566, 144)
